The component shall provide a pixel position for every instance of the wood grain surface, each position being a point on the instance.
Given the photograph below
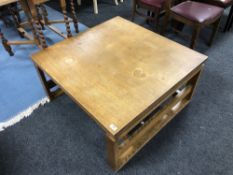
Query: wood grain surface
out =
(116, 70)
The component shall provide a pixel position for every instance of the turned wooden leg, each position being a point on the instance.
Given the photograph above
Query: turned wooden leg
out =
(26, 10)
(36, 22)
(214, 32)
(195, 35)
(44, 14)
(16, 12)
(40, 34)
(67, 24)
(39, 16)
(5, 44)
(74, 17)
(13, 11)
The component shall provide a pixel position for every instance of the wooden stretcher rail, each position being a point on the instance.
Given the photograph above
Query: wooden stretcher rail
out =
(150, 126)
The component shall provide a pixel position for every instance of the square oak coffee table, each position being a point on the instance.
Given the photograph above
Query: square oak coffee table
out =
(6, 2)
(131, 81)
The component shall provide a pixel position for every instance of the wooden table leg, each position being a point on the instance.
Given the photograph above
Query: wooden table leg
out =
(5, 43)
(123, 147)
(44, 14)
(48, 85)
(112, 153)
(74, 17)
(15, 15)
(30, 9)
(27, 13)
(38, 29)
(39, 16)
(64, 11)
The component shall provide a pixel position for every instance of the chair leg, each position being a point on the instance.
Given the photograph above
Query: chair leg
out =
(95, 6)
(13, 11)
(214, 32)
(231, 23)
(156, 19)
(228, 19)
(39, 16)
(165, 23)
(149, 14)
(231, 20)
(79, 2)
(38, 28)
(74, 17)
(28, 15)
(116, 2)
(5, 44)
(196, 32)
(67, 24)
(134, 10)
(44, 14)
(17, 13)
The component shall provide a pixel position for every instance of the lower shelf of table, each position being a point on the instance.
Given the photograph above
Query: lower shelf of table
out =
(124, 148)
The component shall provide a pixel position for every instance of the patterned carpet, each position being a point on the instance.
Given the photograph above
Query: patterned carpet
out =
(21, 90)
(60, 139)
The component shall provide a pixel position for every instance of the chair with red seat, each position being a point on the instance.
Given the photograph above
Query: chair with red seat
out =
(224, 4)
(196, 14)
(153, 7)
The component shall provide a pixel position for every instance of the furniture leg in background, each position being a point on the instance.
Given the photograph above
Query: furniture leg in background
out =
(154, 10)
(74, 17)
(224, 4)
(179, 13)
(37, 19)
(20, 28)
(95, 4)
(229, 20)
(5, 43)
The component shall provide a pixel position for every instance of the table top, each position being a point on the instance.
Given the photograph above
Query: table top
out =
(117, 69)
(6, 2)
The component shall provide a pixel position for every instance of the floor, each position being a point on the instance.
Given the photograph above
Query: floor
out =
(60, 138)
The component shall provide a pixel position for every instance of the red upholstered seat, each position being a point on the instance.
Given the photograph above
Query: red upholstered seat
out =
(153, 3)
(223, 3)
(196, 11)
